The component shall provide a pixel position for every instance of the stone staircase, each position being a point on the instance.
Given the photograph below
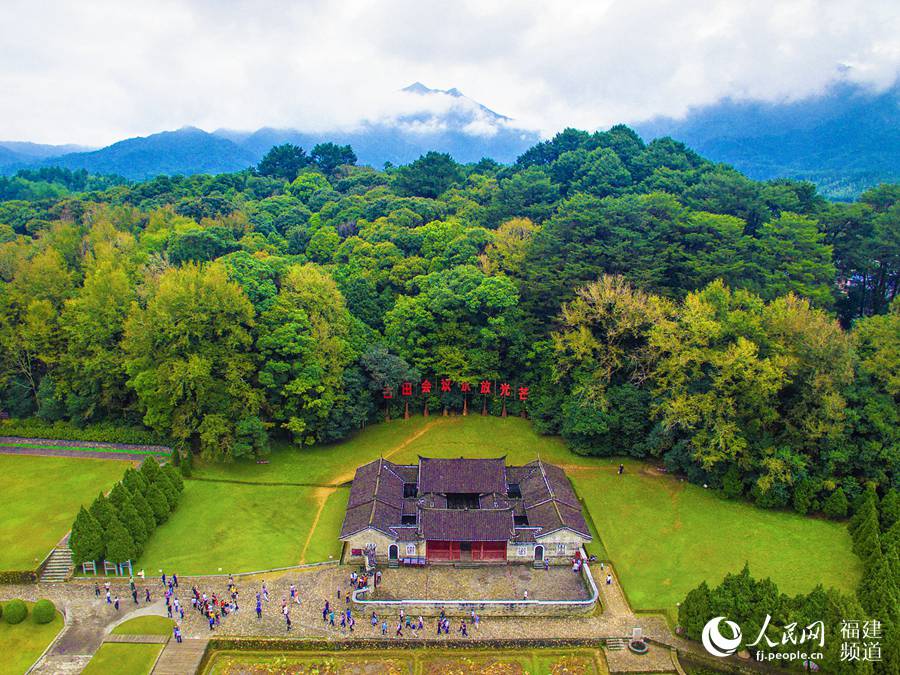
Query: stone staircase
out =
(180, 659)
(616, 644)
(59, 566)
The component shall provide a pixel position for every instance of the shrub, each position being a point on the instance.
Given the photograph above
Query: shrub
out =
(101, 433)
(43, 611)
(15, 611)
(186, 465)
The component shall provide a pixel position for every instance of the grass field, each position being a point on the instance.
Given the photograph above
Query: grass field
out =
(663, 534)
(24, 642)
(123, 659)
(41, 496)
(238, 528)
(425, 661)
(145, 625)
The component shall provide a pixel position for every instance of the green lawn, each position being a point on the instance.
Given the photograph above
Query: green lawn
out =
(41, 496)
(145, 625)
(665, 536)
(23, 643)
(123, 659)
(230, 527)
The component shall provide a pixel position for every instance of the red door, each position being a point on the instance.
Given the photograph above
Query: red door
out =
(442, 550)
(489, 550)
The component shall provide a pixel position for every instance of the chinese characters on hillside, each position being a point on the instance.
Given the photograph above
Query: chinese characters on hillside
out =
(456, 394)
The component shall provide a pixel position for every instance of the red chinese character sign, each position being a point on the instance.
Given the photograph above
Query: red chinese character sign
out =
(466, 389)
(406, 392)
(447, 390)
(426, 390)
(505, 393)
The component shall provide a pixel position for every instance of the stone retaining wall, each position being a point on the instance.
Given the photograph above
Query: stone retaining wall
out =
(464, 607)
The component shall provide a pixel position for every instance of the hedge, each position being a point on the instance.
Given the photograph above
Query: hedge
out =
(43, 611)
(104, 432)
(18, 577)
(15, 611)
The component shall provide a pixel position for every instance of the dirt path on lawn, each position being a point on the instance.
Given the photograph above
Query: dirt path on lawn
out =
(347, 476)
(320, 495)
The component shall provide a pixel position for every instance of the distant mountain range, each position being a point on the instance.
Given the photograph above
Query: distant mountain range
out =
(845, 140)
(445, 120)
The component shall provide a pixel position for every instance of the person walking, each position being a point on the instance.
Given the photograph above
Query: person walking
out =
(384, 628)
(258, 608)
(331, 618)
(608, 579)
(134, 595)
(108, 597)
(175, 580)
(287, 617)
(116, 603)
(146, 595)
(177, 632)
(96, 590)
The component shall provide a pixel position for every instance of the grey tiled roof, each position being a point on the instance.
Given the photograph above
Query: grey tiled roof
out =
(377, 501)
(462, 475)
(467, 525)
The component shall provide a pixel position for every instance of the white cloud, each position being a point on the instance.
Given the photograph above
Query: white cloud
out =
(94, 72)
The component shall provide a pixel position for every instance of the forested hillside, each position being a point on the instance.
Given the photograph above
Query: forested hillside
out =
(651, 303)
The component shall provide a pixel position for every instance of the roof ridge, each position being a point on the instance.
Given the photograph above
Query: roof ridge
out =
(550, 491)
(375, 493)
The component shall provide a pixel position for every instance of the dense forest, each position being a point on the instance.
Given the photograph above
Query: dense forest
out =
(651, 303)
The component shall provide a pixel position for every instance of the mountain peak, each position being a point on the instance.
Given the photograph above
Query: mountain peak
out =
(422, 90)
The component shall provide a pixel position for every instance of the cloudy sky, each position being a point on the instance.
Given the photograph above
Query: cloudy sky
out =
(95, 72)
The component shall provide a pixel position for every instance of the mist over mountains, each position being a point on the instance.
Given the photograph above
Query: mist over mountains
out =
(845, 140)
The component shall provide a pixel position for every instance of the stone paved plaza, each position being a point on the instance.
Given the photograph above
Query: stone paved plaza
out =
(496, 582)
(91, 619)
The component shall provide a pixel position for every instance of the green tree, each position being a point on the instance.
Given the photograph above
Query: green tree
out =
(329, 156)
(304, 344)
(429, 176)
(836, 505)
(158, 502)
(283, 161)
(86, 539)
(119, 544)
(102, 510)
(188, 353)
(144, 511)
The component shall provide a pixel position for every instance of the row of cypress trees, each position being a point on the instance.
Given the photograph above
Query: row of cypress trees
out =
(117, 527)
(875, 529)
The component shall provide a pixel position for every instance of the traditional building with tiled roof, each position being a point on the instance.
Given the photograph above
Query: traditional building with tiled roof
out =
(466, 510)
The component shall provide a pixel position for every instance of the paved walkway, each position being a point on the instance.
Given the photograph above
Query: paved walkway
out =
(91, 619)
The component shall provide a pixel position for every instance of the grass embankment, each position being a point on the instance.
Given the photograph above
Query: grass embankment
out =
(41, 496)
(24, 642)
